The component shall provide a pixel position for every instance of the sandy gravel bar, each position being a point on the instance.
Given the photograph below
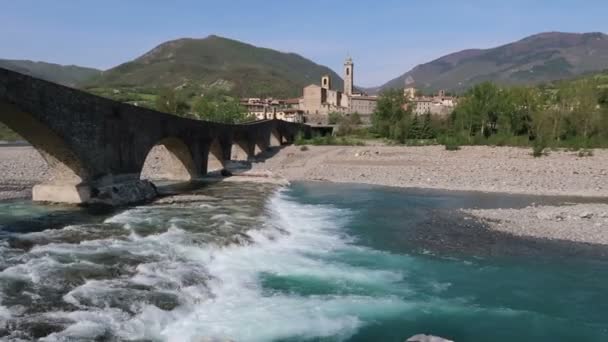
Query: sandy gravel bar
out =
(475, 168)
(581, 222)
(20, 168)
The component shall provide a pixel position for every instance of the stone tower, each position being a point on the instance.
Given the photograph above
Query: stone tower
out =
(326, 82)
(348, 76)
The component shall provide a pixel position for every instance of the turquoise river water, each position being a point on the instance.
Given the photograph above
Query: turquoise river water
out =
(309, 262)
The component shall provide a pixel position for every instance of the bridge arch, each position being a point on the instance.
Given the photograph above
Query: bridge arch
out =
(169, 159)
(275, 138)
(241, 150)
(64, 165)
(215, 157)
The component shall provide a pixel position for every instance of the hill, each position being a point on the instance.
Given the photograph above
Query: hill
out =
(69, 75)
(244, 69)
(535, 59)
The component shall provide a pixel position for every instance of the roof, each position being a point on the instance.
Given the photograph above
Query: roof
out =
(365, 98)
(292, 101)
(293, 111)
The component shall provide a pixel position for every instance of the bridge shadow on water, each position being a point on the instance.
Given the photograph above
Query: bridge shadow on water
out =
(24, 217)
(234, 168)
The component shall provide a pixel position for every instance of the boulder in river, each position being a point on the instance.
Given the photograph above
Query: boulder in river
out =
(426, 338)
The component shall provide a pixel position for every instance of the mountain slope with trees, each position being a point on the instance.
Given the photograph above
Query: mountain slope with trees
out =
(216, 62)
(68, 75)
(535, 59)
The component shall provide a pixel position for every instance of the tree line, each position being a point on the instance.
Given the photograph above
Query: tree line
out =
(566, 114)
(394, 119)
(215, 105)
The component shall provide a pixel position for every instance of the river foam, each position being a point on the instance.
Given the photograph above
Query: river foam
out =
(172, 284)
(266, 265)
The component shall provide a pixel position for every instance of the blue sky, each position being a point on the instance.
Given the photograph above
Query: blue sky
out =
(384, 37)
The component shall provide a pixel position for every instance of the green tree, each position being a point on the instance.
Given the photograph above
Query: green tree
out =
(415, 130)
(390, 118)
(355, 119)
(170, 101)
(427, 131)
(334, 118)
(218, 106)
(522, 103)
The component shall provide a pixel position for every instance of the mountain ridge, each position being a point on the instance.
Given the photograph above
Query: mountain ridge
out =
(214, 61)
(542, 57)
(68, 75)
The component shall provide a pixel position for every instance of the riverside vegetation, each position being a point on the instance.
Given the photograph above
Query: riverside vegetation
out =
(569, 114)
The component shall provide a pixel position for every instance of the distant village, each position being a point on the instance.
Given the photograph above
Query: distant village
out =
(319, 100)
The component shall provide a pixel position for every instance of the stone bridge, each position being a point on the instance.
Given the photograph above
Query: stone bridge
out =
(96, 147)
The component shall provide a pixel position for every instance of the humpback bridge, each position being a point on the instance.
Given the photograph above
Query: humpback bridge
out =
(96, 147)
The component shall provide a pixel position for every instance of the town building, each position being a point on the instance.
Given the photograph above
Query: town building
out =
(317, 101)
(320, 100)
(437, 105)
(268, 109)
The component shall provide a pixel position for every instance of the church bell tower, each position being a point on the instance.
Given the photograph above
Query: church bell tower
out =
(348, 76)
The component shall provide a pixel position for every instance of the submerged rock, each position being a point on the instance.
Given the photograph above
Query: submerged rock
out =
(426, 338)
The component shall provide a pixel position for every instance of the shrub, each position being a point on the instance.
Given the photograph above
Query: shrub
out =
(585, 153)
(299, 140)
(304, 148)
(451, 143)
(334, 118)
(452, 147)
(538, 148)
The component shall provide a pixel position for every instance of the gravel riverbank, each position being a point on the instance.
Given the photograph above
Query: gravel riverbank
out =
(473, 168)
(581, 222)
(20, 168)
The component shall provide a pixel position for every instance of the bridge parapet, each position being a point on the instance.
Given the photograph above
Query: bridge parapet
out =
(96, 147)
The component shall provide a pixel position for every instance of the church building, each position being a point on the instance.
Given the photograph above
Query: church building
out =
(320, 100)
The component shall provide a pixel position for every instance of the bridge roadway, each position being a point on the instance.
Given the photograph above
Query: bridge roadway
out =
(96, 147)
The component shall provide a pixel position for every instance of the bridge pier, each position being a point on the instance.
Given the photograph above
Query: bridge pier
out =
(243, 151)
(111, 190)
(216, 156)
(276, 139)
(61, 193)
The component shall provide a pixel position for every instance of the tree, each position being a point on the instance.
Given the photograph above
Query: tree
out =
(427, 131)
(169, 101)
(355, 118)
(415, 130)
(390, 111)
(217, 106)
(521, 105)
(348, 124)
(481, 110)
(334, 118)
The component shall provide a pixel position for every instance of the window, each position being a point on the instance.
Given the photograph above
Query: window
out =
(347, 71)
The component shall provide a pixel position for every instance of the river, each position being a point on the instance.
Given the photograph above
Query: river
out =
(308, 262)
